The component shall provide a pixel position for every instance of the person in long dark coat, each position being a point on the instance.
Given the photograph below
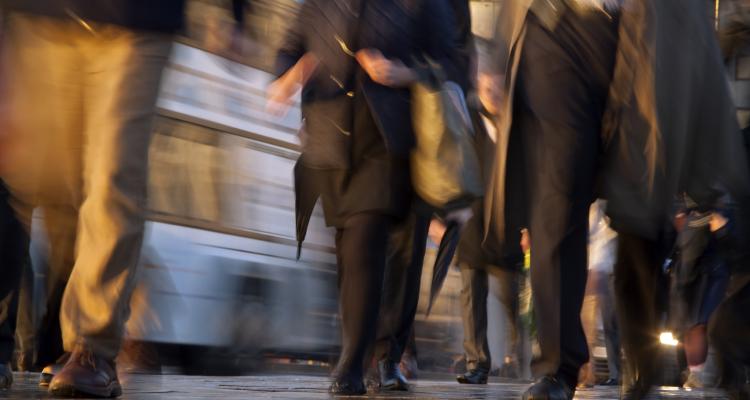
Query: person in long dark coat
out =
(356, 109)
(655, 120)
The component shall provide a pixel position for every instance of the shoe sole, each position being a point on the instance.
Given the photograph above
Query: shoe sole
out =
(395, 388)
(348, 394)
(45, 379)
(465, 382)
(114, 390)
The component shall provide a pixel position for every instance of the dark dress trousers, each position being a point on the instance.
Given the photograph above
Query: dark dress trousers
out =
(13, 254)
(562, 87)
(408, 240)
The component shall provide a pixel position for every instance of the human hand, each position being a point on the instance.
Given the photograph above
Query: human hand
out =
(391, 73)
(490, 92)
(279, 95)
(717, 222)
(281, 91)
(525, 240)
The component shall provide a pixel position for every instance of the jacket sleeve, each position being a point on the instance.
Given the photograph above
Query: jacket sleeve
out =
(441, 41)
(294, 45)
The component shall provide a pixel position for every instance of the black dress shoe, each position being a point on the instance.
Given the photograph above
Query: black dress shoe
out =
(391, 377)
(549, 388)
(86, 375)
(611, 382)
(347, 387)
(473, 377)
(6, 376)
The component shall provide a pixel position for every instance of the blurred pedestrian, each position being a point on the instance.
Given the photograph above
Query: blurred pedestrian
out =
(608, 89)
(559, 87)
(729, 328)
(699, 282)
(479, 260)
(598, 303)
(407, 243)
(83, 94)
(14, 246)
(355, 104)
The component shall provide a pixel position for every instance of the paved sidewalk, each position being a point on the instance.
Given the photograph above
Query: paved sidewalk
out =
(180, 387)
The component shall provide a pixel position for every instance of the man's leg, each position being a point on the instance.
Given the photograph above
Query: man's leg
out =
(562, 89)
(13, 253)
(61, 224)
(589, 319)
(43, 161)
(474, 290)
(509, 298)
(26, 329)
(401, 284)
(611, 331)
(122, 74)
(636, 290)
(361, 247)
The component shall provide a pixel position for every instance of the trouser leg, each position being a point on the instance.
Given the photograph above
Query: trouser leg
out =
(609, 323)
(729, 327)
(61, 224)
(13, 253)
(508, 296)
(636, 288)
(26, 329)
(401, 284)
(474, 290)
(562, 88)
(589, 319)
(123, 70)
(361, 247)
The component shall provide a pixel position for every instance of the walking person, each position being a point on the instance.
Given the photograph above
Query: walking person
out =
(479, 260)
(560, 82)
(699, 283)
(94, 69)
(407, 243)
(356, 60)
(599, 300)
(602, 89)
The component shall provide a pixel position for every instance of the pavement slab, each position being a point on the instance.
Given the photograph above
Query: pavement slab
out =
(182, 387)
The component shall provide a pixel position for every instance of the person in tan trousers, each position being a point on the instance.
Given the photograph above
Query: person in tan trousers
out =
(85, 80)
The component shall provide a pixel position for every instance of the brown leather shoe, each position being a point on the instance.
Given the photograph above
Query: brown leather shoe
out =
(86, 374)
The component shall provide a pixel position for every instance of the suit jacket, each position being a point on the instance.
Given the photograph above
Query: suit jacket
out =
(408, 30)
(670, 124)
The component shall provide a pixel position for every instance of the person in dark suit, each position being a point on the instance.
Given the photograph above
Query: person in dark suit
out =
(357, 59)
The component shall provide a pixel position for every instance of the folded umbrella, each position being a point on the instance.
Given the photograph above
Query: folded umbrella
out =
(305, 197)
(443, 261)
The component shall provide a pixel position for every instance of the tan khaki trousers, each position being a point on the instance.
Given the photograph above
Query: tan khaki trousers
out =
(82, 97)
